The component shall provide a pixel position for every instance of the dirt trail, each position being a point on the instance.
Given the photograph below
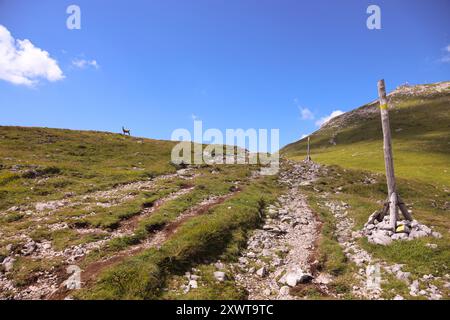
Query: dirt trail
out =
(49, 281)
(44, 213)
(128, 226)
(116, 195)
(91, 271)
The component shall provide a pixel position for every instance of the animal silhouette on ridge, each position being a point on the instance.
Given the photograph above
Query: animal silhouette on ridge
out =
(126, 131)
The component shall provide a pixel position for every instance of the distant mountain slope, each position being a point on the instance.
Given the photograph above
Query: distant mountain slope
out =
(420, 124)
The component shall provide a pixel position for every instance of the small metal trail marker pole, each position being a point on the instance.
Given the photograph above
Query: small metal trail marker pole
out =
(308, 155)
(394, 199)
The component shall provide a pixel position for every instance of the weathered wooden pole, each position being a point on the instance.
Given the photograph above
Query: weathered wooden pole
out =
(393, 198)
(308, 155)
(388, 159)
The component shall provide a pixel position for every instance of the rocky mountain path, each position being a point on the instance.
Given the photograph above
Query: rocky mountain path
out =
(280, 255)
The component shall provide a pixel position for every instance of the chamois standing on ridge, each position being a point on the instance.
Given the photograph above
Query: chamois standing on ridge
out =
(126, 131)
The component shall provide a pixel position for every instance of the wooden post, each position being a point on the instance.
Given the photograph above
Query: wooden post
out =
(308, 155)
(393, 198)
(387, 147)
(393, 211)
(403, 208)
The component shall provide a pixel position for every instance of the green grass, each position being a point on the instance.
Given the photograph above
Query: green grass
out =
(25, 269)
(428, 204)
(64, 238)
(208, 287)
(421, 138)
(80, 216)
(199, 240)
(421, 148)
(204, 186)
(41, 163)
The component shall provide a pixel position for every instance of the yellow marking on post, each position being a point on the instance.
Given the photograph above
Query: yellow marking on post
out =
(383, 106)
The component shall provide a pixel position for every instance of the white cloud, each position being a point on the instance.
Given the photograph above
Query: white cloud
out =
(446, 57)
(194, 117)
(306, 114)
(83, 63)
(325, 119)
(304, 136)
(22, 63)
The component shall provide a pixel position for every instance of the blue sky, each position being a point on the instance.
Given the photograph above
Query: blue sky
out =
(153, 65)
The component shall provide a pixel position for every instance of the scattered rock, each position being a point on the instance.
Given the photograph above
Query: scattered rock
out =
(414, 288)
(417, 234)
(284, 290)
(220, 275)
(380, 237)
(193, 284)
(436, 234)
(8, 263)
(261, 272)
(194, 277)
(404, 276)
(185, 288)
(399, 236)
(323, 278)
(295, 277)
(28, 248)
(377, 230)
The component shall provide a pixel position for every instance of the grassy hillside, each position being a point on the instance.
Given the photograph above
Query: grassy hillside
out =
(42, 163)
(106, 202)
(420, 124)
